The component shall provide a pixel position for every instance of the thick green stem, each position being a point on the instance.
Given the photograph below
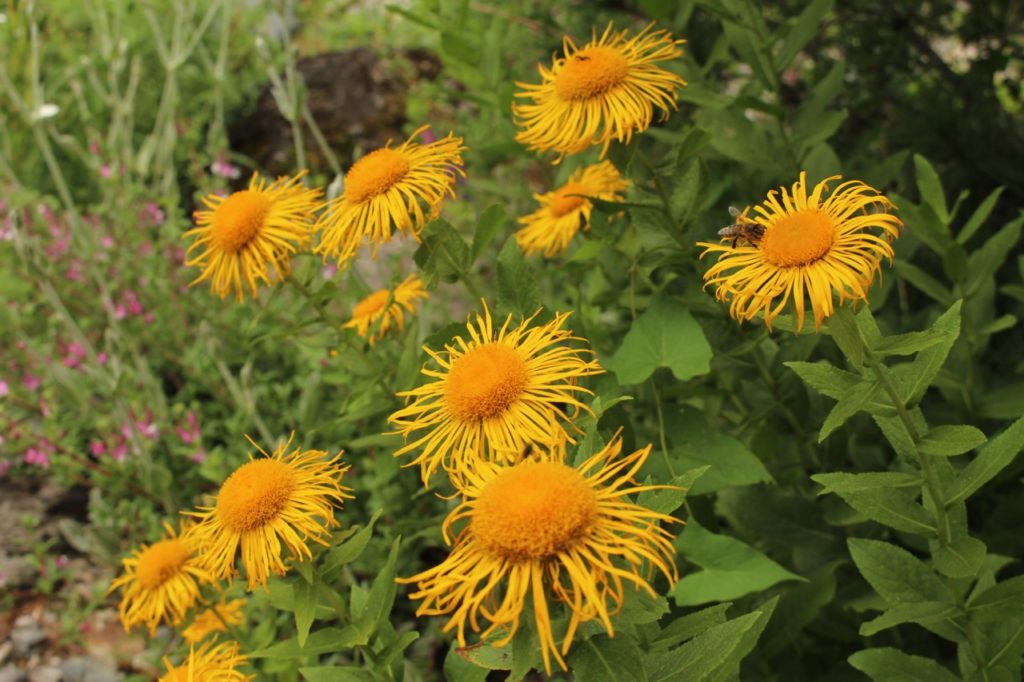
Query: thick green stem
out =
(661, 428)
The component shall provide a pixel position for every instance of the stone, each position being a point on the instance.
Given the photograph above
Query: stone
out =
(26, 638)
(12, 673)
(88, 669)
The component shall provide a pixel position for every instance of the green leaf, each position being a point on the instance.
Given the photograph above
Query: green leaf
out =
(326, 673)
(696, 444)
(930, 360)
(443, 253)
(690, 625)
(305, 606)
(947, 441)
(487, 656)
(885, 497)
(665, 335)
(731, 568)
(1002, 600)
(896, 574)
(325, 640)
(382, 594)
(911, 612)
(667, 500)
(845, 332)
(908, 344)
(930, 187)
(850, 404)
(984, 262)
(825, 379)
(806, 27)
(458, 668)
(961, 558)
(350, 550)
(714, 654)
(605, 658)
(488, 225)
(1005, 402)
(924, 282)
(892, 665)
(517, 285)
(979, 216)
(991, 459)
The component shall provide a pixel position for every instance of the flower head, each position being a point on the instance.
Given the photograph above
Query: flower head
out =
(209, 663)
(160, 582)
(386, 308)
(603, 91)
(213, 619)
(544, 530)
(240, 238)
(564, 211)
(387, 190)
(495, 394)
(270, 501)
(805, 246)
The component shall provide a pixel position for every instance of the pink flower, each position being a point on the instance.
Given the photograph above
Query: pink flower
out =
(61, 561)
(74, 272)
(4, 389)
(94, 148)
(106, 171)
(36, 457)
(199, 456)
(224, 169)
(101, 358)
(97, 448)
(190, 433)
(119, 312)
(329, 271)
(132, 301)
(106, 241)
(154, 213)
(148, 319)
(32, 382)
(74, 355)
(119, 452)
(57, 248)
(44, 409)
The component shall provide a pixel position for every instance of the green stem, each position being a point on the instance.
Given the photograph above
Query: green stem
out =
(661, 428)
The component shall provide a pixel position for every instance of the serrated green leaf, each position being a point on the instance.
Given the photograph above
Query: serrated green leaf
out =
(605, 658)
(948, 441)
(731, 568)
(517, 285)
(930, 187)
(696, 444)
(908, 344)
(979, 216)
(458, 668)
(825, 379)
(690, 625)
(325, 640)
(488, 225)
(845, 332)
(911, 612)
(349, 550)
(924, 282)
(667, 500)
(486, 656)
(991, 459)
(327, 673)
(961, 558)
(305, 607)
(850, 404)
(665, 335)
(929, 361)
(382, 594)
(804, 29)
(892, 665)
(885, 497)
(1003, 600)
(984, 262)
(896, 574)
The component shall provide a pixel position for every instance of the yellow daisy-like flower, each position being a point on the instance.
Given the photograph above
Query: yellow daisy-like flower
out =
(545, 529)
(243, 237)
(270, 501)
(386, 307)
(603, 91)
(801, 246)
(212, 620)
(160, 581)
(386, 190)
(564, 211)
(210, 663)
(494, 395)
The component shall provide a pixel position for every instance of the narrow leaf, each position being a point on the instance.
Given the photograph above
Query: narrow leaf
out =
(912, 612)
(892, 665)
(947, 441)
(991, 459)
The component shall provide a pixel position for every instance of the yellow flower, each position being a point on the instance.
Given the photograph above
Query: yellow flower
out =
(210, 663)
(495, 394)
(544, 529)
(207, 620)
(604, 91)
(161, 582)
(274, 500)
(805, 246)
(243, 236)
(388, 307)
(384, 191)
(550, 228)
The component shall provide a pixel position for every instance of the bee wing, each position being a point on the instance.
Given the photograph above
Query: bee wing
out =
(735, 212)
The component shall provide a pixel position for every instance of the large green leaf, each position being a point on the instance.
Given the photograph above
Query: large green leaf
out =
(991, 459)
(896, 574)
(885, 497)
(696, 444)
(730, 568)
(892, 665)
(665, 335)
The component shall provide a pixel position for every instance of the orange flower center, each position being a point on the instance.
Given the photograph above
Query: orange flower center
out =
(799, 238)
(255, 494)
(562, 204)
(374, 174)
(533, 510)
(372, 303)
(161, 562)
(239, 219)
(591, 72)
(485, 382)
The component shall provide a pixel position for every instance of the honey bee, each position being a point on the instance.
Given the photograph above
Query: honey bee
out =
(744, 228)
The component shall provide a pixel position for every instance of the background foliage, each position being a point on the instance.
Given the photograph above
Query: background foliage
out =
(854, 495)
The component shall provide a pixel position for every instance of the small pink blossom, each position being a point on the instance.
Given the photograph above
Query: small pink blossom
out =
(61, 561)
(199, 456)
(74, 355)
(120, 312)
(74, 272)
(329, 271)
(4, 389)
(31, 382)
(36, 457)
(94, 148)
(132, 301)
(155, 214)
(57, 248)
(106, 171)
(97, 448)
(224, 169)
(44, 409)
(101, 358)
(119, 452)
(148, 319)
(189, 434)
(106, 241)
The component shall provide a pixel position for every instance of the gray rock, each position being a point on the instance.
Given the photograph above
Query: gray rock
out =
(26, 638)
(11, 673)
(45, 673)
(88, 669)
